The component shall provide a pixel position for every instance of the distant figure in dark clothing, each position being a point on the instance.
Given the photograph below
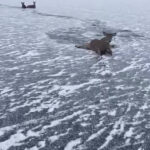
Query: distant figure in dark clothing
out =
(28, 6)
(102, 46)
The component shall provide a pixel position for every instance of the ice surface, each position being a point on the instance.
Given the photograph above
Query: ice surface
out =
(72, 144)
(54, 96)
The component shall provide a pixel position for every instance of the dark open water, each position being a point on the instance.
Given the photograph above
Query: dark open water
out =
(56, 97)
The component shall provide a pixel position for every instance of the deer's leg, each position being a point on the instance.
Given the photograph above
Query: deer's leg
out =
(99, 52)
(85, 46)
(109, 51)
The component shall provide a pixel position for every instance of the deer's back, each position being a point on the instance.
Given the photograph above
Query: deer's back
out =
(101, 45)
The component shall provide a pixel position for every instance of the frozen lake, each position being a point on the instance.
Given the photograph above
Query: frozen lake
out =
(54, 96)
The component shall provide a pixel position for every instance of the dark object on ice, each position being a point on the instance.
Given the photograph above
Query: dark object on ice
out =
(102, 46)
(23, 5)
(28, 6)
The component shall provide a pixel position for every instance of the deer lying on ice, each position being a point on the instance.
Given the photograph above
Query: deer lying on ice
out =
(102, 46)
(28, 6)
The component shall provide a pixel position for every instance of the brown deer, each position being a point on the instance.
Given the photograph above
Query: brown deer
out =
(102, 46)
(28, 6)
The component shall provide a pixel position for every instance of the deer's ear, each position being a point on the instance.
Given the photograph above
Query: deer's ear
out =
(104, 33)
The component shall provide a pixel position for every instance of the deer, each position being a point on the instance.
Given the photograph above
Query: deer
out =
(28, 6)
(102, 46)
